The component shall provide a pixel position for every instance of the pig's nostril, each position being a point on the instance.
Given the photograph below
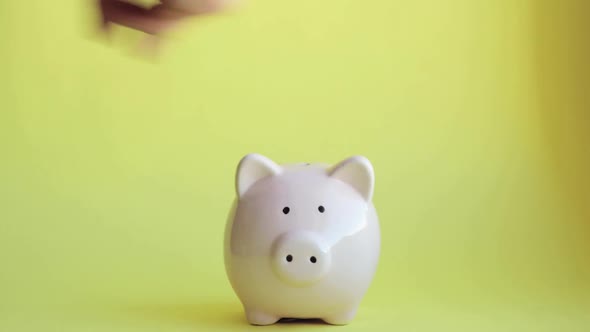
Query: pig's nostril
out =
(289, 258)
(313, 259)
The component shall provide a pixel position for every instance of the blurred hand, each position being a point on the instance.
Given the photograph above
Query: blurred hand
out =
(158, 18)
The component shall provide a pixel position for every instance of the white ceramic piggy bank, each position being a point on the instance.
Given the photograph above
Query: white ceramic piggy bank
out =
(302, 240)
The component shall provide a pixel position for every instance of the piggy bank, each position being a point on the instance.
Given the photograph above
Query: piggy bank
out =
(302, 241)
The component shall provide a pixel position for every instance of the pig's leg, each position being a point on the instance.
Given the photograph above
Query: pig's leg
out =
(256, 317)
(341, 318)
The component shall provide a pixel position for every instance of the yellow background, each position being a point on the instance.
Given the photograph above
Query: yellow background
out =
(116, 170)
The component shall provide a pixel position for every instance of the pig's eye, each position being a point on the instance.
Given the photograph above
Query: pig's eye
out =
(286, 210)
(321, 209)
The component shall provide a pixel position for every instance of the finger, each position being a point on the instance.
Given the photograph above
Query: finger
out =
(149, 20)
(196, 7)
(103, 10)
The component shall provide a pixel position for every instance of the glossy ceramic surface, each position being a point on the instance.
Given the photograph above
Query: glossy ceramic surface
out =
(302, 240)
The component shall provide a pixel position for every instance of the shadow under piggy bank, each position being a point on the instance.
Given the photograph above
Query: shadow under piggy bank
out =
(209, 315)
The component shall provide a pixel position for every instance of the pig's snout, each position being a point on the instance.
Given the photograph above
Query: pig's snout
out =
(300, 258)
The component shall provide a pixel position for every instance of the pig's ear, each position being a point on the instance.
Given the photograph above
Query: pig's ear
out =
(358, 172)
(254, 167)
